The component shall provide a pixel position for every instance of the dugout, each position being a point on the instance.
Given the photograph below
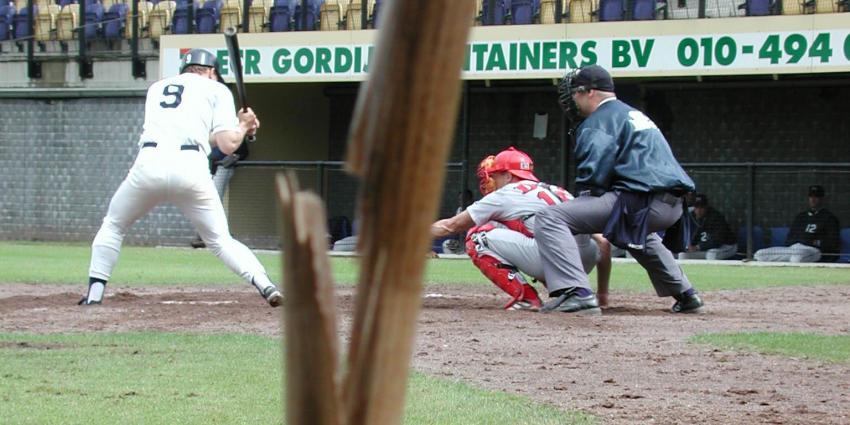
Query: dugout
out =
(753, 133)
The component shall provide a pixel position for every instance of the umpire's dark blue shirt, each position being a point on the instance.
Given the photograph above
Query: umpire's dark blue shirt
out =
(618, 147)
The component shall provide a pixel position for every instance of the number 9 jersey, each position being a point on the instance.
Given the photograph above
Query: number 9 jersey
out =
(189, 105)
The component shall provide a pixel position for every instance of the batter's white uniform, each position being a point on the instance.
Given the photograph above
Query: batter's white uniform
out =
(181, 114)
(521, 201)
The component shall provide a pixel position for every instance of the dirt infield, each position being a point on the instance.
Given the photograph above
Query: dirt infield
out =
(631, 365)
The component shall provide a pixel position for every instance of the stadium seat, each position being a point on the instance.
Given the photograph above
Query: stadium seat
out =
(758, 238)
(722, 9)
(231, 14)
(7, 16)
(145, 10)
(373, 17)
(756, 7)
(180, 22)
(499, 12)
(522, 12)
(352, 18)
(792, 7)
(820, 6)
(644, 10)
(611, 10)
(778, 235)
(22, 28)
(330, 16)
(583, 11)
(45, 22)
(113, 21)
(93, 18)
(258, 15)
(207, 17)
(67, 22)
(306, 18)
(845, 246)
(547, 11)
(159, 20)
(280, 16)
(689, 9)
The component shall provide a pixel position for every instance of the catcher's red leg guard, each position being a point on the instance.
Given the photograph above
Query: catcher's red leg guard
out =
(507, 278)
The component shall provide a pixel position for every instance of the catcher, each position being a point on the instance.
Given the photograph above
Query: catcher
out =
(500, 238)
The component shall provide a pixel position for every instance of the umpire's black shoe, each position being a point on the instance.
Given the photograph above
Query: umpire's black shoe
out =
(688, 304)
(569, 302)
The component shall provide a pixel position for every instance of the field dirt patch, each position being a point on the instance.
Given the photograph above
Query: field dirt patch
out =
(632, 365)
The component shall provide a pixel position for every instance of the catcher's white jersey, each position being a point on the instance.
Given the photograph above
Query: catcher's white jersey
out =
(186, 110)
(520, 200)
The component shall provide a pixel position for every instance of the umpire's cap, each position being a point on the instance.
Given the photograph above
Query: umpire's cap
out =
(592, 77)
(200, 57)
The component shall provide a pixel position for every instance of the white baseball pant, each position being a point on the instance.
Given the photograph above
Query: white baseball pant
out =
(167, 174)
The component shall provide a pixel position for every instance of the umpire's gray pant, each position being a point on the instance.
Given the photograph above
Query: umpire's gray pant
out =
(555, 226)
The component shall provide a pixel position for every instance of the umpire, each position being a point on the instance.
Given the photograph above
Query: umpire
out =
(630, 186)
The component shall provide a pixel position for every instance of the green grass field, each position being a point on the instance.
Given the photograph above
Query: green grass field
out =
(161, 378)
(146, 378)
(830, 348)
(51, 263)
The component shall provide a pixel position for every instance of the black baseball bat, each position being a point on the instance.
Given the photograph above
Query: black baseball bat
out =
(236, 66)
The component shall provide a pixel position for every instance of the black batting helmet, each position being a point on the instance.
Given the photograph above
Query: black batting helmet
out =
(200, 57)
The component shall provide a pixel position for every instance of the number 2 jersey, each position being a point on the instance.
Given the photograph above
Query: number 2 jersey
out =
(186, 110)
(515, 204)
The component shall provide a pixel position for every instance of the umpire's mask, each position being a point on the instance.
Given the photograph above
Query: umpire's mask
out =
(565, 97)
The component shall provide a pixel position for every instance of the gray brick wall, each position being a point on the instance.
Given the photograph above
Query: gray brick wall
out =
(60, 162)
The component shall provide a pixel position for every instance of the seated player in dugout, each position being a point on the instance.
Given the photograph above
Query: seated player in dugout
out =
(500, 237)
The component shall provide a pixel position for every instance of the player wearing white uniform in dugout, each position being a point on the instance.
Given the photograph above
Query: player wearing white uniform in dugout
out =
(500, 240)
(184, 114)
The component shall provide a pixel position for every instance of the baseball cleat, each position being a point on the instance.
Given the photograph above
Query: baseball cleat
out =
(272, 296)
(85, 301)
(688, 305)
(524, 306)
(571, 303)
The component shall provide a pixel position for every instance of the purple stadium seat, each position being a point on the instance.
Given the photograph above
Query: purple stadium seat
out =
(7, 15)
(644, 10)
(522, 12)
(208, 16)
(312, 14)
(113, 21)
(180, 20)
(94, 15)
(280, 16)
(610, 10)
(375, 9)
(499, 9)
(63, 3)
(22, 28)
(756, 7)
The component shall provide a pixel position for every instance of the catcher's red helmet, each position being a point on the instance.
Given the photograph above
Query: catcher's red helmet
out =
(515, 162)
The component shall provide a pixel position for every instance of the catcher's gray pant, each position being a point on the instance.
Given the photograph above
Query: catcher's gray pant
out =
(720, 253)
(797, 253)
(555, 226)
(515, 249)
(162, 174)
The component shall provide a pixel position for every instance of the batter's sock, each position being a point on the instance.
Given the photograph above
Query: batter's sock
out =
(261, 282)
(96, 289)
